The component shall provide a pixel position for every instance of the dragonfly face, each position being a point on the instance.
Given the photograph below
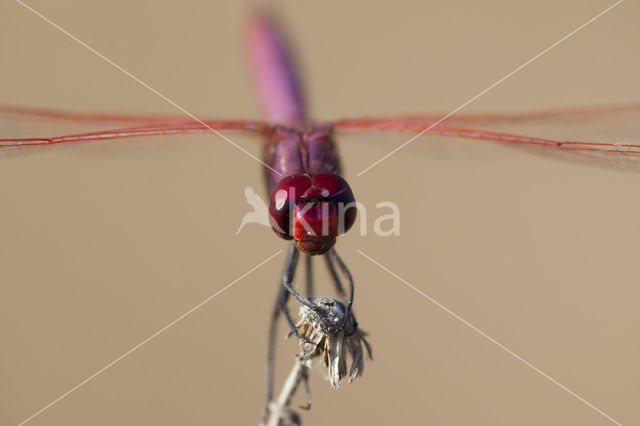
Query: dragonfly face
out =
(312, 209)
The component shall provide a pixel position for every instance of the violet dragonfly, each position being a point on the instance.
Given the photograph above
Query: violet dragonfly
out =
(304, 171)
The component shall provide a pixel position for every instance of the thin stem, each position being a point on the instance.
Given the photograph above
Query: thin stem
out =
(281, 299)
(280, 407)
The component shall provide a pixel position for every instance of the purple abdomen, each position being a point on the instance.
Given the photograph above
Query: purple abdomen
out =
(292, 147)
(274, 73)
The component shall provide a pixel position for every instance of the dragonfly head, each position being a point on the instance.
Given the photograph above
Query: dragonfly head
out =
(312, 210)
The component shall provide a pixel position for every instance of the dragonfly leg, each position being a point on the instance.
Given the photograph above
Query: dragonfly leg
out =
(281, 306)
(287, 277)
(287, 280)
(309, 277)
(338, 284)
(334, 274)
(333, 255)
(292, 326)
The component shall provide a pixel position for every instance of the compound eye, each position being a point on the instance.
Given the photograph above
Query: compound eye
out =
(338, 191)
(283, 201)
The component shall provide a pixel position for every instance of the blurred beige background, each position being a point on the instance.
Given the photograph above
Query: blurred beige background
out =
(104, 244)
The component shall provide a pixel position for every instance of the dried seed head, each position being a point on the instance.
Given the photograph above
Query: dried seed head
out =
(333, 332)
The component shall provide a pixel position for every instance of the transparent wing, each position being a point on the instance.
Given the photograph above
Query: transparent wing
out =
(575, 114)
(608, 134)
(8, 112)
(28, 127)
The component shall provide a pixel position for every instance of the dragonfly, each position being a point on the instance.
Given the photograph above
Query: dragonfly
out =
(311, 204)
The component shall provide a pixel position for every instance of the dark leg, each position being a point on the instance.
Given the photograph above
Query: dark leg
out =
(346, 273)
(287, 280)
(292, 326)
(309, 270)
(338, 282)
(280, 306)
(334, 275)
(287, 277)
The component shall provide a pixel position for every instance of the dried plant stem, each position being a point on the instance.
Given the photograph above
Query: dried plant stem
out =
(279, 409)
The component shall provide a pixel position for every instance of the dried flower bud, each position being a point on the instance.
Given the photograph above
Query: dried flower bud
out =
(332, 332)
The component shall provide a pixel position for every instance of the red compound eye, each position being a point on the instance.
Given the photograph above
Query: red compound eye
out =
(312, 210)
(338, 191)
(283, 200)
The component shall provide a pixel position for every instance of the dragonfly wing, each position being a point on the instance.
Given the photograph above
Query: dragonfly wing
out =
(609, 134)
(23, 127)
(8, 112)
(575, 114)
